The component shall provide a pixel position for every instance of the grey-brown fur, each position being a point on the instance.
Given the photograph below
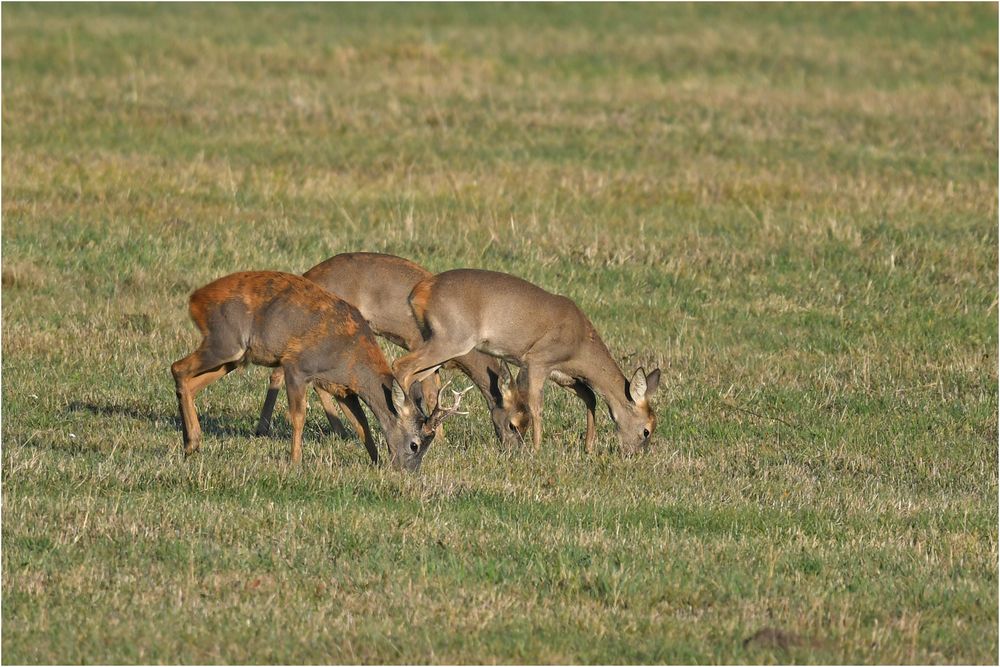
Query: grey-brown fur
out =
(545, 334)
(379, 285)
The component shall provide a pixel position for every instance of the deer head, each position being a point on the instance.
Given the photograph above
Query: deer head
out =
(510, 413)
(636, 422)
(418, 429)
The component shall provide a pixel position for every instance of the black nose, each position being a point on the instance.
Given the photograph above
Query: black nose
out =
(414, 447)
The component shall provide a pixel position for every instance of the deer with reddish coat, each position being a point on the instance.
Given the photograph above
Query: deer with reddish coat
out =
(286, 321)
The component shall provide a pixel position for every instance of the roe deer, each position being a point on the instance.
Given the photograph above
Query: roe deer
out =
(547, 335)
(279, 319)
(379, 286)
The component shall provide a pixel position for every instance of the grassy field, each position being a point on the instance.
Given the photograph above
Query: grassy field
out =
(792, 210)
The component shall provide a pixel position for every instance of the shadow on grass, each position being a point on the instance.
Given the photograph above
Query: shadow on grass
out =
(211, 424)
(224, 425)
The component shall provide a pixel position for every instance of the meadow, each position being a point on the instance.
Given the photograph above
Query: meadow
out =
(791, 210)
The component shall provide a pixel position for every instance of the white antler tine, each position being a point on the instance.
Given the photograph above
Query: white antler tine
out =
(458, 400)
(441, 390)
(441, 412)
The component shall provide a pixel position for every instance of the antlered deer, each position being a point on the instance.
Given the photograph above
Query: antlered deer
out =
(283, 320)
(547, 335)
(379, 286)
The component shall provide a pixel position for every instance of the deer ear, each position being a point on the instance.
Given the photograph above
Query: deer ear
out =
(417, 396)
(652, 383)
(398, 397)
(637, 386)
(505, 383)
(506, 379)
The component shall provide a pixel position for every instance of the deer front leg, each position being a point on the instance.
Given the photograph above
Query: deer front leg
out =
(274, 386)
(421, 363)
(331, 416)
(295, 386)
(535, 383)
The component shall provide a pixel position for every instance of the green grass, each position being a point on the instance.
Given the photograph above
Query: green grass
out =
(792, 210)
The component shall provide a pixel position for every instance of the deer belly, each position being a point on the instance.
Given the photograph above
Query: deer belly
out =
(264, 352)
(262, 358)
(496, 350)
(562, 379)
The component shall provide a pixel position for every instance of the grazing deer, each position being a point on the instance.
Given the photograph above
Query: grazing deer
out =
(379, 286)
(547, 335)
(283, 320)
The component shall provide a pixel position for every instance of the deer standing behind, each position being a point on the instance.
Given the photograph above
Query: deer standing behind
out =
(547, 335)
(283, 320)
(379, 286)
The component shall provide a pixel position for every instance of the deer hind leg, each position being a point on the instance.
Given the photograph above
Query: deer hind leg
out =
(424, 361)
(192, 374)
(295, 386)
(274, 386)
(331, 416)
(356, 417)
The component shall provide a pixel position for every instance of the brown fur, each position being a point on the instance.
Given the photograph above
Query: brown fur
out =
(347, 327)
(283, 320)
(419, 298)
(379, 286)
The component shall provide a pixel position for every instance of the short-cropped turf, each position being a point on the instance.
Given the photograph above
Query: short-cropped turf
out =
(791, 210)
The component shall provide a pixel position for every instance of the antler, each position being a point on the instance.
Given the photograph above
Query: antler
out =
(440, 415)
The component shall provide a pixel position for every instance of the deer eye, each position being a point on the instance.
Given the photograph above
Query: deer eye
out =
(645, 432)
(512, 427)
(414, 447)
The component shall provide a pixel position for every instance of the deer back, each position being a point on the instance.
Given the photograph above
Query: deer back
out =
(280, 317)
(503, 313)
(377, 285)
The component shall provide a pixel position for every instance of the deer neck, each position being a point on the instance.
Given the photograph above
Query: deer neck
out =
(373, 384)
(598, 369)
(376, 393)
